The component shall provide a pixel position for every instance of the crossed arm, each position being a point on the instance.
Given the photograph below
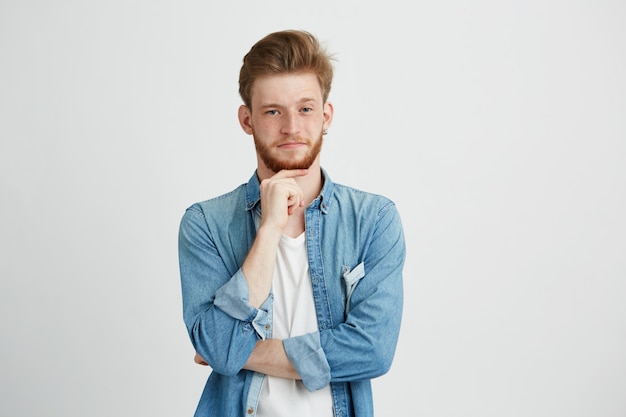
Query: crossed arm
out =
(268, 357)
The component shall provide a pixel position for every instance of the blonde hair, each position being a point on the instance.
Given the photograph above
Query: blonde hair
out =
(285, 52)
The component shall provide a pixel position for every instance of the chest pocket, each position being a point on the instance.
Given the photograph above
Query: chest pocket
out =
(352, 278)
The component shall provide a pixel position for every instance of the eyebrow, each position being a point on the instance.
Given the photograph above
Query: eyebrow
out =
(304, 100)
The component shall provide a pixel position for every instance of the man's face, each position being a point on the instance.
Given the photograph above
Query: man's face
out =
(286, 120)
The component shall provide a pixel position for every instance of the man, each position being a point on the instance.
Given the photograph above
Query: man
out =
(291, 284)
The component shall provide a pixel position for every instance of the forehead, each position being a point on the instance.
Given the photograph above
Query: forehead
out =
(286, 88)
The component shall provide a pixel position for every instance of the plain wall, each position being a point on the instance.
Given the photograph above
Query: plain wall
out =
(498, 128)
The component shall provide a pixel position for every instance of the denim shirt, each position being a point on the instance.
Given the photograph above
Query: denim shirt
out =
(356, 251)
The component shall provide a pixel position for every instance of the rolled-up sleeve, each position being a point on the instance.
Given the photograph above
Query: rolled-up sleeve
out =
(307, 356)
(232, 299)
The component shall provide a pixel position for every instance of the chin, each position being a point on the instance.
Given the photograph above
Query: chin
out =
(279, 165)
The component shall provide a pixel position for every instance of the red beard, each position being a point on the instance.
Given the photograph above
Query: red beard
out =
(277, 164)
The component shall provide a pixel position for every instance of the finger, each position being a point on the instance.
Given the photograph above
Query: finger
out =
(292, 206)
(295, 197)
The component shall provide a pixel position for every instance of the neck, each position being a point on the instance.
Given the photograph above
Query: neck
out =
(311, 184)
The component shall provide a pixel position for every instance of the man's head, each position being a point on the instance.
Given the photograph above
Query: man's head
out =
(284, 82)
(285, 52)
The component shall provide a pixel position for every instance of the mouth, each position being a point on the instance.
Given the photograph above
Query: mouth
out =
(292, 144)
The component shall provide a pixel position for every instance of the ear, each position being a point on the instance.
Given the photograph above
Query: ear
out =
(328, 114)
(245, 119)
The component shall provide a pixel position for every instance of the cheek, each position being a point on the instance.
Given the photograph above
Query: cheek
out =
(261, 125)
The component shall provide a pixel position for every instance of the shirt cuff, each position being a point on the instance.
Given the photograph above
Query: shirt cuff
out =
(307, 356)
(233, 299)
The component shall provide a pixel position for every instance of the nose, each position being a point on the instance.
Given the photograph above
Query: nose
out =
(290, 124)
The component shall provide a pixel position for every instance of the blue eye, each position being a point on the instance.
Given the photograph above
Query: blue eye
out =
(271, 112)
(307, 109)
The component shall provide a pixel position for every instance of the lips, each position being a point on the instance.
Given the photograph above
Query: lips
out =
(293, 143)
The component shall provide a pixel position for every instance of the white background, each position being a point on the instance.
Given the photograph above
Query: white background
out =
(497, 127)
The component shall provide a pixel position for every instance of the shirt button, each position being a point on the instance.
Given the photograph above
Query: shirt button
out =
(250, 410)
(267, 327)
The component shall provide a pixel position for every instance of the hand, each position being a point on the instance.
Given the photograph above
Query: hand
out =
(200, 360)
(280, 197)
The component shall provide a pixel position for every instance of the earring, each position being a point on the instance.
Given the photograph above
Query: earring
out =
(325, 131)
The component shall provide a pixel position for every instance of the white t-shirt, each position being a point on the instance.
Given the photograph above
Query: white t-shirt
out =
(294, 315)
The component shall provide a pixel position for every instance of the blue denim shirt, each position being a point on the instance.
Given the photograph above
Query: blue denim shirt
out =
(356, 251)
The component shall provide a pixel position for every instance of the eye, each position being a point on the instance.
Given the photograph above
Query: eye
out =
(307, 109)
(271, 112)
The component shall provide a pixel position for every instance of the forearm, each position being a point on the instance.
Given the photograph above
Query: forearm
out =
(258, 268)
(269, 357)
(281, 196)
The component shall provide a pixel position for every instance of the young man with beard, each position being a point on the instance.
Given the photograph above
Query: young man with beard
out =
(291, 284)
